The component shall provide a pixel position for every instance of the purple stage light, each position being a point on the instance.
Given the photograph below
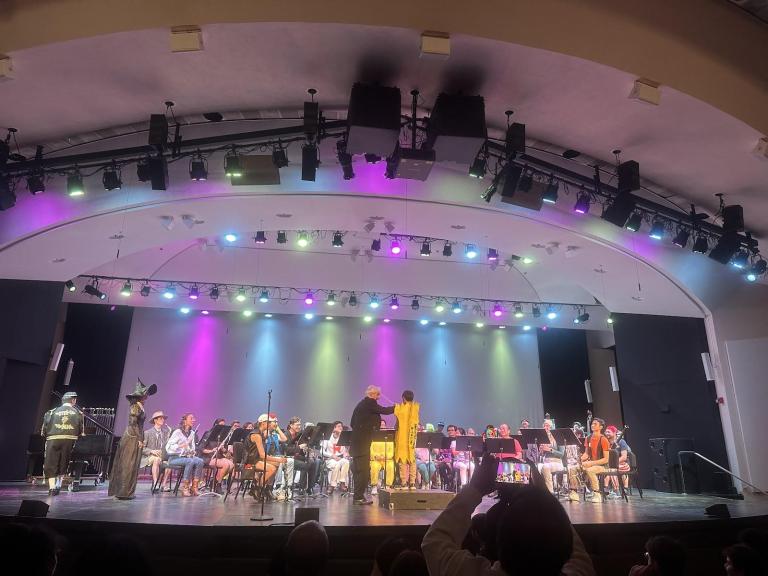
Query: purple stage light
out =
(205, 312)
(309, 298)
(395, 247)
(394, 304)
(497, 310)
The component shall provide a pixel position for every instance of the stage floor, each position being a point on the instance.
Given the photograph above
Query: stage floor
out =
(93, 504)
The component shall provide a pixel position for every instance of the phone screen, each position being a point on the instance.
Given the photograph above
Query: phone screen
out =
(513, 473)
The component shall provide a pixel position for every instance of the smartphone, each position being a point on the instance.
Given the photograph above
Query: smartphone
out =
(513, 473)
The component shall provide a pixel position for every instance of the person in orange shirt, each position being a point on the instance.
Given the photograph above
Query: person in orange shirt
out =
(595, 457)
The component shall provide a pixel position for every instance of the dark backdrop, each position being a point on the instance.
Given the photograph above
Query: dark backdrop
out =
(664, 391)
(28, 315)
(564, 365)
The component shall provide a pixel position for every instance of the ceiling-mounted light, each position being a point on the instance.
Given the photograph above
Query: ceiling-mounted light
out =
(526, 327)
(470, 251)
(740, 259)
(214, 293)
(127, 289)
(525, 183)
(241, 297)
(394, 303)
(36, 182)
(70, 286)
(657, 229)
(551, 312)
(681, 238)
(456, 308)
(279, 157)
(261, 237)
(375, 245)
(610, 319)
(338, 240)
(497, 310)
(447, 250)
(701, 246)
(111, 177)
(75, 184)
(170, 292)
(551, 193)
(439, 306)
(198, 168)
(282, 237)
(423, 321)
(331, 299)
(309, 298)
(536, 311)
(394, 247)
(374, 303)
(145, 290)
(757, 270)
(581, 318)
(247, 313)
(479, 167)
(634, 222)
(264, 296)
(194, 293)
(426, 249)
(345, 160)
(352, 300)
(232, 166)
(583, 201)
(415, 304)
(519, 311)
(372, 158)
(493, 255)
(92, 289)
(230, 237)
(303, 240)
(309, 162)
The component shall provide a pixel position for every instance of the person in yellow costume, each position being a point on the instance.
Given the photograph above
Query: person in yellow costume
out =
(407, 414)
(379, 462)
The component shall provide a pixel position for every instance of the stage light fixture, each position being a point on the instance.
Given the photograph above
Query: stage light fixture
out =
(214, 293)
(279, 157)
(309, 316)
(757, 270)
(247, 313)
(241, 297)
(423, 321)
(727, 246)
(479, 167)
(330, 299)
(525, 183)
(260, 238)
(145, 290)
(470, 251)
(386, 320)
(394, 247)
(70, 286)
(93, 290)
(303, 240)
(282, 237)
(345, 160)
(551, 312)
(375, 245)
(198, 168)
(456, 308)
(204, 312)
(657, 229)
(701, 246)
(372, 159)
(536, 311)
(367, 318)
(619, 210)
(634, 222)
(415, 304)
(439, 306)
(184, 310)
(479, 324)
(36, 183)
(526, 328)
(526, 260)
(581, 318)
(502, 327)
(447, 250)
(374, 303)
(392, 164)
(442, 323)
(75, 185)
(352, 300)
(582, 203)
(740, 260)
(394, 304)
(497, 310)
(143, 171)
(519, 311)
(426, 249)
(127, 289)
(338, 240)
(309, 298)
(681, 238)
(551, 193)
(111, 178)
(610, 319)
(493, 255)
(267, 315)
(264, 296)
(194, 293)
(232, 165)
(170, 292)
(329, 317)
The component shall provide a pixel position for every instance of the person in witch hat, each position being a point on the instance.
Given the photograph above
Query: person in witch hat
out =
(125, 469)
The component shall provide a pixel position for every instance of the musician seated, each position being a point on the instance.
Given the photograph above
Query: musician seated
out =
(218, 456)
(517, 455)
(619, 445)
(445, 460)
(259, 458)
(181, 452)
(426, 465)
(336, 460)
(154, 447)
(594, 459)
(463, 462)
(382, 456)
(303, 462)
(552, 457)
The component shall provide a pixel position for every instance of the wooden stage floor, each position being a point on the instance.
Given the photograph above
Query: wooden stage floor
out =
(92, 504)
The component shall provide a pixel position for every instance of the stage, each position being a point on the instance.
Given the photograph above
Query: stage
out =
(208, 532)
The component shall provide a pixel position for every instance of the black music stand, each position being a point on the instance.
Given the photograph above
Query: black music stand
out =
(501, 446)
(345, 439)
(239, 435)
(318, 434)
(533, 437)
(386, 435)
(430, 441)
(218, 432)
(565, 437)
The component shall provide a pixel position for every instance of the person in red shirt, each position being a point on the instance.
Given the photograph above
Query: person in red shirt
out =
(505, 432)
(595, 457)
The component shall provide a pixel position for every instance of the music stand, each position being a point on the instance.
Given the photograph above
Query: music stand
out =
(472, 444)
(565, 437)
(320, 432)
(428, 440)
(386, 435)
(534, 437)
(500, 446)
(239, 435)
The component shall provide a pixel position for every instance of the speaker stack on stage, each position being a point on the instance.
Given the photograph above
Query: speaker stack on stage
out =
(666, 466)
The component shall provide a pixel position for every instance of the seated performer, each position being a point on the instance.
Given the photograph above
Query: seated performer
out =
(553, 456)
(336, 460)
(218, 457)
(274, 444)
(181, 452)
(426, 464)
(505, 432)
(258, 458)
(62, 426)
(594, 459)
(445, 460)
(524, 425)
(407, 417)
(382, 456)
(490, 431)
(152, 454)
(619, 445)
(307, 466)
(463, 462)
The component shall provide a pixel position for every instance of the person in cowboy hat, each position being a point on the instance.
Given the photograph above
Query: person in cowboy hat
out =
(61, 427)
(125, 470)
(154, 445)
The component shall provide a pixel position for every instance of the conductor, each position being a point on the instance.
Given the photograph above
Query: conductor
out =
(366, 418)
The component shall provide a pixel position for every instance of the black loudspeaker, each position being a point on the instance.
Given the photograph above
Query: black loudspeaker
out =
(158, 131)
(33, 509)
(717, 511)
(733, 218)
(308, 162)
(515, 139)
(301, 515)
(512, 173)
(311, 117)
(666, 468)
(7, 196)
(629, 176)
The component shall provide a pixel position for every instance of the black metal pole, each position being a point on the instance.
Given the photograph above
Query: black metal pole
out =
(262, 517)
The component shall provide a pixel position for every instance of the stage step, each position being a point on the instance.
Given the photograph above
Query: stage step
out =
(414, 499)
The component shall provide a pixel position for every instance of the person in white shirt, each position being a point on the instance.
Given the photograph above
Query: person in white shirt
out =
(181, 452)
(336, 460)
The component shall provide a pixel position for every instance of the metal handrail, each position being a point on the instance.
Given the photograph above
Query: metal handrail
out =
(715, 464)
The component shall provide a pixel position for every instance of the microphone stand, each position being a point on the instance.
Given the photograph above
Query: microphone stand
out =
(262, 517)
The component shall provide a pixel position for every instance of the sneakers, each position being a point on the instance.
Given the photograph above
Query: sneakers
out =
(573, 496)
(597, 498)
(362, 502)
(374, 490)
(613, 495)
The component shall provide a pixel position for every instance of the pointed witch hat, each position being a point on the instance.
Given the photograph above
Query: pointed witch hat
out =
(141, 390)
